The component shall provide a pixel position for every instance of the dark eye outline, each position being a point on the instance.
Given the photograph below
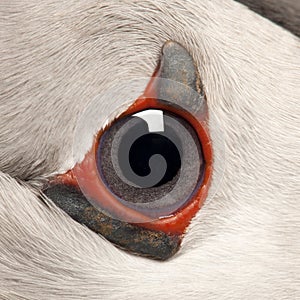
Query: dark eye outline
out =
(179, 220)
(178, 82)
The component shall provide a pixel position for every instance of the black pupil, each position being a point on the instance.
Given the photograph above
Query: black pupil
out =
(150, 161)
(148, 145)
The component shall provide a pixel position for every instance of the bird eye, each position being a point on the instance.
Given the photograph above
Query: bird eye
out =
(150, 161)
(149, 168)
(149, 165)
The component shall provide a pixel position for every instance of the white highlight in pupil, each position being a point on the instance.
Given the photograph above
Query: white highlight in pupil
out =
(154, 118)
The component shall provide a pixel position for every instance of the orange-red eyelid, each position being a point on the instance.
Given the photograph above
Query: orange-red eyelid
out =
(92, 186)
(96, 189)
(68, 179)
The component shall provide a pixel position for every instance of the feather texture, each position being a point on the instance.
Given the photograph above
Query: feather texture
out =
(57, 56)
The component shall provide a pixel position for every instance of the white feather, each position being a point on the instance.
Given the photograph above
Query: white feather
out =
(57, 56)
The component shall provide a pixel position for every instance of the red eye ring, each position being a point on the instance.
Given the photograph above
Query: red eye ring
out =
(86, 172)
(92, 185)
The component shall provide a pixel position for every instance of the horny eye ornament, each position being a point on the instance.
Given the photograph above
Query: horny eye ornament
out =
(149, 168)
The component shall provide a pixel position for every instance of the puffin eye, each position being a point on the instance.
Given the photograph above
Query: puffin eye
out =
(151, 162)
(149, 168)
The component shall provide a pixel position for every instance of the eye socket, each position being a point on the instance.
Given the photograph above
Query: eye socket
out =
(150, 161)
(168, 197)
(149, 169)
(169, 201)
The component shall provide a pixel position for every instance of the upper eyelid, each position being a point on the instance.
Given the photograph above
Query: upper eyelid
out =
(192, 98)
(180, 78)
